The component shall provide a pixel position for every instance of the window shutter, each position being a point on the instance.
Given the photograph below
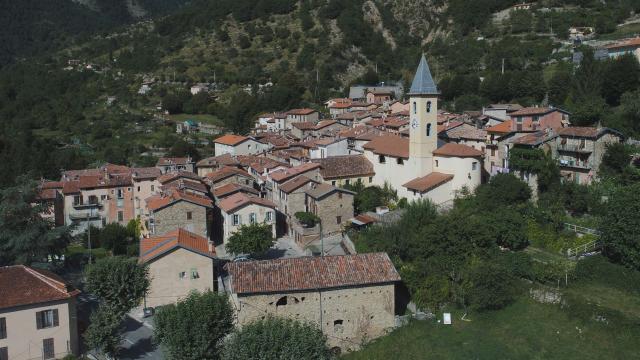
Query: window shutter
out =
(39, 320)
(55, 317)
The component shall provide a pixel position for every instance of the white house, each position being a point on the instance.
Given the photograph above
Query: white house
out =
(238, 145)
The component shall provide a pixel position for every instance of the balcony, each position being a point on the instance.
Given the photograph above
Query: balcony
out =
(575, 148)
(575, 164)
(83, 216)
(87, 206)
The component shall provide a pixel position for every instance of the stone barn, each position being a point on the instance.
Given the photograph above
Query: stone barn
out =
(351, 297)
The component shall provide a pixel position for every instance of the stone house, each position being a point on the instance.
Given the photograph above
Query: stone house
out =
(228, 175)
(38, 318)
(175, 164)
(292, 198)
(351, 298)
(379, 96)
(300, 115)
(333, 205)
(345, 170)
(223, 191)
(177, 209)
(538, 118)
(179, 262)
(500, 111)
(579, 151)
(276, 178)
(242, 209)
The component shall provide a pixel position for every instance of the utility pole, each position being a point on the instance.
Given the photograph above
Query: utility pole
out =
(502, 66)
(321, 241)
(89, 234)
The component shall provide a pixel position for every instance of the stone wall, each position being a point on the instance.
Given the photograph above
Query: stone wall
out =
(332, 207)
(349, 316)
(175, 216)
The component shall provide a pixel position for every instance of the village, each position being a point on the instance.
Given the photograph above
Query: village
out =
(294, 175)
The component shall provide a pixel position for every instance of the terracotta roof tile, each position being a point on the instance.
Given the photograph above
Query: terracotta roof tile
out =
(225, 172)
(429, 182)
(311, 273)
(305, 125)
(152, 247)
(468, 132)
(157, 202)
(231, 139)
(163, 161)
(294, 184)
(22, 285)
(232, 188)
(172, 176)
(502, 128)
(577, 131)
(182, 184)
(533, 111)
(238, 200)
(345, 166)
(305, 111)
(635, 42)
(286, 174)
(457, 150)
(389, 145)
(145, 173)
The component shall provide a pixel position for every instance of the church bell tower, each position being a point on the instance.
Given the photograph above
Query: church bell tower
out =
(423, 120)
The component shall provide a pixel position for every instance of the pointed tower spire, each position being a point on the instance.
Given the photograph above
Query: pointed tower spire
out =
(423, 83)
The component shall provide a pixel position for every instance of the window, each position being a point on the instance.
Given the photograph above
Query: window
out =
(236, 219)
(370, 179)
(428, 106)
(428, 129)
(120, 194)
(415, 110)
(381, 159)
(120, 216)
(338, 326)
(182, 275)
(436, 163)
(77, 199)
(493, 152)
(4, 353)
(339, 195)
(46, 319)
(103, 197)
(583, 143)
(3, 328)
(252, 218)
(346, 181)
(194, 274)
(189, 215)
(268, 216)
(333, 183)
(474, 166)
(153, 188)
(48, 352)
(138, 188)
(338, 220)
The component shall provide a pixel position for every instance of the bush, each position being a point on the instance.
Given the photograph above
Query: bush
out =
(307, 219)
(492, 287)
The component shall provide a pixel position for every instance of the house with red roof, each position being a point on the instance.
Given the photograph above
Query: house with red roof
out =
(170, 164)
(624, 47)
(179, 262)
(38, 316)
(175, 209)
(276, 178)
(242, 209)
(538, 118)
(238, 145)
(300, 115)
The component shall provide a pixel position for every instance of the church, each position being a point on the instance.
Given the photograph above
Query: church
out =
(421, 167)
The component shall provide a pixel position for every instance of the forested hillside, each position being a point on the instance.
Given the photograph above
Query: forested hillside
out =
(309, 50)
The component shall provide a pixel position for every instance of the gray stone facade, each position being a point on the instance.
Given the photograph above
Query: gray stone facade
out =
(182, 214)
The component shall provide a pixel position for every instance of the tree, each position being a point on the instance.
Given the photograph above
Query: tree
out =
(620, 76)
(195, 326)
(503, 190)
(508, 227)
(491, 287)
(119, 282)
(172, 103)
(620, 227)
(115, 237)
(277, 338)
(251, 239)
(25, 236)
(105, 331)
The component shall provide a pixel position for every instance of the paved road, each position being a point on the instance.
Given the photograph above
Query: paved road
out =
(138, 343)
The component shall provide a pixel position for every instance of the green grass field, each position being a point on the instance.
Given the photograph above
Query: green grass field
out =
(622, 32)
(598, 319)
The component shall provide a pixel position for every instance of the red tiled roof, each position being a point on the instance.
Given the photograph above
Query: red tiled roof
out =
(324, 124)
(172, 176)
(231, 139)
(448, 126)
(224, 159)
(151, 248)
(238, 200)
(22, 285)
(186, 184)
(231, 188)
(145, 173)
(578, 131)
(429, 182)
(224, 173)
(160, 201)
(345, 166)
(635, 42)
(305, 111)
(466, 131)
(71, 187)
(390, 145)
(311, 273)
(305, 125)
(364, 219)
(502, 128)
(294, 184)
(286, 174)
(457, 150)
(532, 111)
